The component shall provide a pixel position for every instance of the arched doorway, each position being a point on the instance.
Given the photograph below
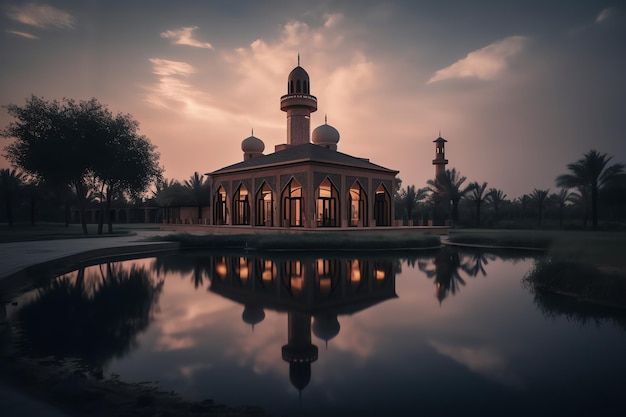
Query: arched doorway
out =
(265, 206)
(382, 206)
(357, 206)
(293, 204)
(327, 204)
(220, 212)
(241, 206)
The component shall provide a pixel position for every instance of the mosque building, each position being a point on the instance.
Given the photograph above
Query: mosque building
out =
(305, 182)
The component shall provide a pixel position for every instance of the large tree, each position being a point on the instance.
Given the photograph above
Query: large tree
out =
(80, 144)
(539, 199)
(591, 174)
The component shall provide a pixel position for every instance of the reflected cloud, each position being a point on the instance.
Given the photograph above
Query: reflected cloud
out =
(484, 64)
(41, 16)
(484, 360)
(604, 15)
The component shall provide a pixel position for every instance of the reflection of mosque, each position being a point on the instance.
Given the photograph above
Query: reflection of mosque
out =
(318, 289)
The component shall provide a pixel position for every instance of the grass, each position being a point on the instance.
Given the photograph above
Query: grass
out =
(51, 231)
(576, 279)
(314, 241)
(602, 249)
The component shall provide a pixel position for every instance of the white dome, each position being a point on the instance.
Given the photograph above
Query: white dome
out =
(252, 144)
(325, 135)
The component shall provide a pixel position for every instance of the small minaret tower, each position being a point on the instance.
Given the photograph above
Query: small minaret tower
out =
(440, 160)
(299, 104)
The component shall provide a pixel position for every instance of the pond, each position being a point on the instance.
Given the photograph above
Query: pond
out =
(447, 332)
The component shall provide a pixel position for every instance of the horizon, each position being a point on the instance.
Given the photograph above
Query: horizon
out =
(519, 90)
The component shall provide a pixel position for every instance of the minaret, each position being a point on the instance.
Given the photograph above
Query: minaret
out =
(440, 160)
(299, 104)
(299, 351)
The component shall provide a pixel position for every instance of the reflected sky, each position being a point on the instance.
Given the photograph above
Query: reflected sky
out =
(444, 333)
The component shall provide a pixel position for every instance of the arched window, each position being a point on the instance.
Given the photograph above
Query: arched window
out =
(220, 212)
(241, 206)
(293, 204)
(357, 206)
(265, 206)
(305, 87)
(298, 87)
(382, 207)
(326, 209)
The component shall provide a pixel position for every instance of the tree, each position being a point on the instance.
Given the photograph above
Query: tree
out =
(495, 198)
(410, 199)
(80, 144)
(11, 185)
(447, 189)
(478, 196)
(197, 188)
(591, 173)
(539, 199)
(561, 199)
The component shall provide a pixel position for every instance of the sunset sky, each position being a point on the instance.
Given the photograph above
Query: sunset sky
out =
(518, 88)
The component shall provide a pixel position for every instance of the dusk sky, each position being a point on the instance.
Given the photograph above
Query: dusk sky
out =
(518, 88)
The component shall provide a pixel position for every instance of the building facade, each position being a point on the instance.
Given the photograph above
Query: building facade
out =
(305, 182)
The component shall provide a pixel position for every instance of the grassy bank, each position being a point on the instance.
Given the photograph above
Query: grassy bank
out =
(578, 280)
(588, 266)
(602, 249)
(314, 241)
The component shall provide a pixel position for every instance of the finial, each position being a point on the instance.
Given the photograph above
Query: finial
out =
(252, 132)
(298, 58)
(439, 132)
(325, 119)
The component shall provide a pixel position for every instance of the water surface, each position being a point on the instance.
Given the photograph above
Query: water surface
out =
(437, 333)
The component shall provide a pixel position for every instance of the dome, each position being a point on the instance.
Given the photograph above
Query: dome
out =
(252, 144)
(326, 327)
(253, 315)
(298, 81)
(325, 135)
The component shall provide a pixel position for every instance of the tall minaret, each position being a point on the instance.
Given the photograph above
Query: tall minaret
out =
(440, 160)
(299, 104)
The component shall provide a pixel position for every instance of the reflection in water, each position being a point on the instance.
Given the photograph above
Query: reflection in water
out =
(306, 288)
(93, 317)
(491, 345)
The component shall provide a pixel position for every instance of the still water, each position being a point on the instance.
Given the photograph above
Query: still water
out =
(434, 333)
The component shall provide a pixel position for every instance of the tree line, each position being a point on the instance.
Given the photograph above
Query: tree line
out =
(591, 183)
(79, 154)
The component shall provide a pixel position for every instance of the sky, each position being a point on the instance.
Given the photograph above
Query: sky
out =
(519, 89)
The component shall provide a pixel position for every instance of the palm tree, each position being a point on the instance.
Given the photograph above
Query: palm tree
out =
(562, 198)
(410, 199)
(447, 189)
(495, 197)
(197, 187)
(11, 185)
(539, 198)
(592, 172)
(478, 196)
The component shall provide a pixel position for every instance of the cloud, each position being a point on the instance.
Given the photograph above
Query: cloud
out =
(41, 16)
(184, 36)
(23, 34)
(166, 67)
(484, 64)
(604, 15)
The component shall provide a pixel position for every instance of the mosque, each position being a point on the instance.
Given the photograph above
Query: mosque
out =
(306, 182)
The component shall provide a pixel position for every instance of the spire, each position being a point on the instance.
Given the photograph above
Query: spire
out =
(252, 134)
(325, 119)
(298, 58)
